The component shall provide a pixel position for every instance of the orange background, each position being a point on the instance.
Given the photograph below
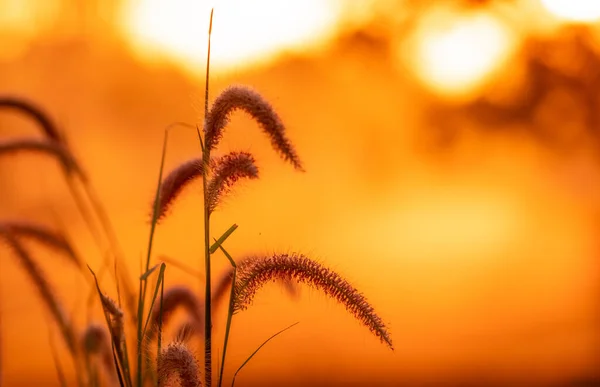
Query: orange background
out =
(478, 247)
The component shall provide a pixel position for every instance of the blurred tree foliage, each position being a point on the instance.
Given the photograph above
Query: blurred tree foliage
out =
(549, 90)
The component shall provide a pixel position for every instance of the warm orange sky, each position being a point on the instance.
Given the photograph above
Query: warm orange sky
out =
(482, 258)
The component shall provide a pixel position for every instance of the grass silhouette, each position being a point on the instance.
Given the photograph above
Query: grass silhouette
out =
(101, 355)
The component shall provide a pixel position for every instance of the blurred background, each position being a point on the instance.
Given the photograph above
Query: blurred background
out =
(452, 154)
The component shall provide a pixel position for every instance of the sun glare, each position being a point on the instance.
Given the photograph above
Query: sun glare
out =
(455, 54)
(574, 10)
(244, 32)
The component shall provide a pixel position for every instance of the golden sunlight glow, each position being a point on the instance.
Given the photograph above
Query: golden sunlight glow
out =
(21, 21)
(574, 10)
(244, 32)
(455, 54)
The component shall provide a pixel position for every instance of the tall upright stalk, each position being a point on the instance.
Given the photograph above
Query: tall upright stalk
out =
(207, 291)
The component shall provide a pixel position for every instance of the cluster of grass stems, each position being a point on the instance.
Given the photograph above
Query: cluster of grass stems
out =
(101, 353)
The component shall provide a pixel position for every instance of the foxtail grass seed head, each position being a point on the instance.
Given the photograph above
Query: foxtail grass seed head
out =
(175, 182)
(243, 98)
(220, 290)
(226, 171)
(176, 362)
(38, 278)
(43, 235)
(95, 341)
(43, 146)
(175, 297)
(94, 338)
(223, 284)
(30, 109)
(116, 317)
(187, 330)
(255, 272)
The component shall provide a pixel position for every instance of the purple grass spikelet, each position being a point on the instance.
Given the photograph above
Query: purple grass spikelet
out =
(248, 100)
(43, 235)
(176, 361)
(172, 185)
(255, 272)
(28, 108)
(226, 171)
(38, 278)
(43, 146)
(175, 297)
(95, 341)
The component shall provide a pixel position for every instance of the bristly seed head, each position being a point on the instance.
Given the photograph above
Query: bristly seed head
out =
(50, 147)
(248, 100)
(115, 313)
(223, 285)
(28, 108)
(94, 338)
(175, 182)
(175, 297)
(43, 235)
(226, 171)
(255, 272)
(186, 330)
(176, 360)
(95, 341)
(46, 292)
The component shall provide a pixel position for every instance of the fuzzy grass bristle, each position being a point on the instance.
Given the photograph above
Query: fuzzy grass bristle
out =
(243, 98)
(172, 185)
(116, 315)
(95, 341)
(226, 171)
(176, 362)
(223, 284)
(187, 330)
(255, 272)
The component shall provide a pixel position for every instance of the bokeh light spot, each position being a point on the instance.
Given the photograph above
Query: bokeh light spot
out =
(574, 10)
(244, 32)
(454, 54)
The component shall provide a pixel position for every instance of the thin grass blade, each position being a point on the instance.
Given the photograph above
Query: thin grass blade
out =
(258, 349)
(117, 366)
(159, 283)
(145, 276)
(160, 314)
(223, 238)
(229, 313)
(121, 360)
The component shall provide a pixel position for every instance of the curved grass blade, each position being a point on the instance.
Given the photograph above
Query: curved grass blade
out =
(159, 284)
(258, 349)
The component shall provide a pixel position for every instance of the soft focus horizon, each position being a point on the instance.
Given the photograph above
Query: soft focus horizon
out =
(452, 175)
